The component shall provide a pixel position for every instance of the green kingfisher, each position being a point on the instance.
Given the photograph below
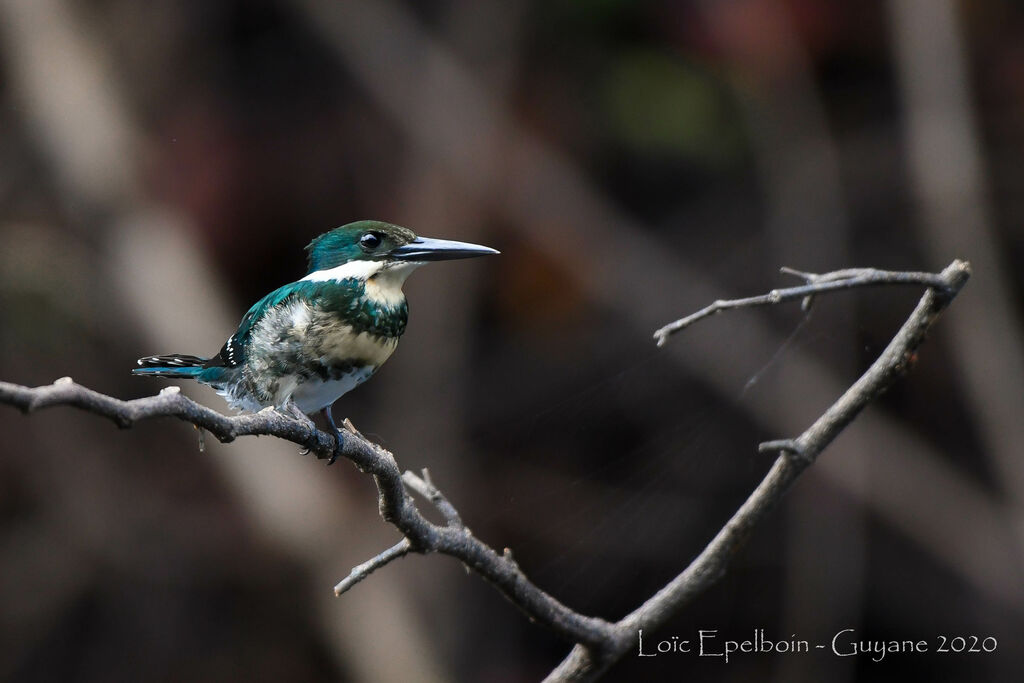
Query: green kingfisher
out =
(311, 341)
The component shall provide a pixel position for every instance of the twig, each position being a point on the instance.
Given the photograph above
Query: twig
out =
(425, 487)
(816, 284)
(360, 572)
(599, 643)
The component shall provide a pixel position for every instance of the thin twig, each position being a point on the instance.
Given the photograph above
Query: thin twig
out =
(816, 284)
(424, 486)
(360, 572)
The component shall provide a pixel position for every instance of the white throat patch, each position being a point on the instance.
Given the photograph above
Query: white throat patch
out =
(357, 270)
(383, 279)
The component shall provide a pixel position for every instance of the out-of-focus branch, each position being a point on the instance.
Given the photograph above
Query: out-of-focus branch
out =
(599, 643)
(947, 172)
(75, 101)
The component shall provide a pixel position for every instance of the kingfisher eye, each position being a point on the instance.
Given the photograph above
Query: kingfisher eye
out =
(369, 241)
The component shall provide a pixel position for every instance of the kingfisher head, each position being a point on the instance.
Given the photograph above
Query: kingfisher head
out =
(374, 247)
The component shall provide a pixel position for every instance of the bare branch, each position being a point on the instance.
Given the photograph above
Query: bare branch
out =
(816, 284)
(396, 503)
(584, 663)
(784, 446)
(425, 487)
(360, 572)
(599, 643)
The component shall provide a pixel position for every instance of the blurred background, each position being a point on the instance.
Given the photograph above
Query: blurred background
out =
(163, 164)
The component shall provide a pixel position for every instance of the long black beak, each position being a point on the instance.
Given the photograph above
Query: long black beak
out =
(427, 249)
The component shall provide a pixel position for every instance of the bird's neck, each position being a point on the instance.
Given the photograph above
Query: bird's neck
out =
(362, 296)
(382, 280)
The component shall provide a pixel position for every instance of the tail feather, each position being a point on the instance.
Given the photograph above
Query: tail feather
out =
(172, 365)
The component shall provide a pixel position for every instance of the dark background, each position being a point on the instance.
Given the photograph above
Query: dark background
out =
(163, 163)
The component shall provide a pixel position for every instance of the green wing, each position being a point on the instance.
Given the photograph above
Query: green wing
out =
(345, 296)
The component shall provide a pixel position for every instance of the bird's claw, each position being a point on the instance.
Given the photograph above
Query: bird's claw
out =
(337, 446)
(292, 410)
(347, 424)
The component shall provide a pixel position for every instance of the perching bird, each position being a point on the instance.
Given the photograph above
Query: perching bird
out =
(312, 341)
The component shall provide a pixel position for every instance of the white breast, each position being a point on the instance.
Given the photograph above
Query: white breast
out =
(314, 394)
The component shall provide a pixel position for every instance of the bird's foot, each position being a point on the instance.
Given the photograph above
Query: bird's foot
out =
(326, 412)
(349, 427)
(337, 446)
(347, 424)
(290, 409)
